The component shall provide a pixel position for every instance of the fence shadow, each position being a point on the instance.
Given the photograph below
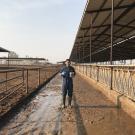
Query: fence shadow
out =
(81, 130)
(118, 100)
(96, 106)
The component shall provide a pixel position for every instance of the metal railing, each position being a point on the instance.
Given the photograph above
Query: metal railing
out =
(16, 84)
(119, 78)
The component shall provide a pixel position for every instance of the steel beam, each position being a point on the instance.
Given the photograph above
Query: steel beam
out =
(109, 9)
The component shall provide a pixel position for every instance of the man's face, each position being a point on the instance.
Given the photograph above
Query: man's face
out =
(67, 63)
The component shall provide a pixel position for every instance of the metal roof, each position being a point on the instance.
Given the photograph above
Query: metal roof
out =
(3, 50)
(95, 30)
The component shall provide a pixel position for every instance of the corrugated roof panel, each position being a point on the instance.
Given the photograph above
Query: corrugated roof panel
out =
(100, 12)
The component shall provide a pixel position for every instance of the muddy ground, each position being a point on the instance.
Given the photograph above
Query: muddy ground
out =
(8, 87)
(92, 114)
(95, 114)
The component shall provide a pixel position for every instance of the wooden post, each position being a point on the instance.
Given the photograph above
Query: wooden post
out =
(38, 76)
(27, 81)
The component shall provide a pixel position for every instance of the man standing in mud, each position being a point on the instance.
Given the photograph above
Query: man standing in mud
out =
(67, 73)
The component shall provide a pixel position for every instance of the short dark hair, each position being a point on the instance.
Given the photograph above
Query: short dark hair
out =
(68, 60)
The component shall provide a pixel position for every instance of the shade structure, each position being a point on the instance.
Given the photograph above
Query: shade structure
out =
(98, 33)
(3, 50)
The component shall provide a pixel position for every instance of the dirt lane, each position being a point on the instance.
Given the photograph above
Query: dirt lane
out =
(41, 116)
(92, 114)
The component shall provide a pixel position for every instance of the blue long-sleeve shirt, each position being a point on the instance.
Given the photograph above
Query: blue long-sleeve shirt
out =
(67, 80)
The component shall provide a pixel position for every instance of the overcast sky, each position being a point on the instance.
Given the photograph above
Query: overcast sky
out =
(40, 28)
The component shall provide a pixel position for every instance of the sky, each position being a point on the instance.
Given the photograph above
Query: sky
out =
(40, 28)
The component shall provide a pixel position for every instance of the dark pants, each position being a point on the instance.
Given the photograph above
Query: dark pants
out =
(67, 89)
(67, 92)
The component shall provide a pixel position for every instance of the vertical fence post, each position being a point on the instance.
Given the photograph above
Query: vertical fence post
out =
(49, 73)
(97, 73)
(6, 80)
(45, 75)
(8, 60)
(90, 71)
(86, 70)
(111, 79)
(38, 76)
(83, 69)
(27, 81)
(23, 75)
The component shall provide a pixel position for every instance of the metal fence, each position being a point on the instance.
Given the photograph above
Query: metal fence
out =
(119, 78)
(16, 84)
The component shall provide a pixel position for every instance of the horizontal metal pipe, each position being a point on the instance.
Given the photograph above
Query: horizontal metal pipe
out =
(10, 93)
(11, 79)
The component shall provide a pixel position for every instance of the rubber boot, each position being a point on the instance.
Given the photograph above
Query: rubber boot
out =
(64, 101)
(69, 101)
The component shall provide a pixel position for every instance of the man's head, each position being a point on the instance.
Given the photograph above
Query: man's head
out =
(67, 62)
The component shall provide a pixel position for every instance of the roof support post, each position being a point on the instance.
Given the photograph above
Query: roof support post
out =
(112, 26)
(111, 51)
(83, 46)
(76, 55)
(79, 54)
(91, 37)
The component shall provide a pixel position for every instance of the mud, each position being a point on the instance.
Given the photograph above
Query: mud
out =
(40, 116)
(92, 114)
(8, 87)
(95, 114)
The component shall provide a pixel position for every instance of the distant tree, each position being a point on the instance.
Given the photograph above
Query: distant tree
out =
(13, 55)
(27, 56)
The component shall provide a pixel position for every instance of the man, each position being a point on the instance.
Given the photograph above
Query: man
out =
(67, 73)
